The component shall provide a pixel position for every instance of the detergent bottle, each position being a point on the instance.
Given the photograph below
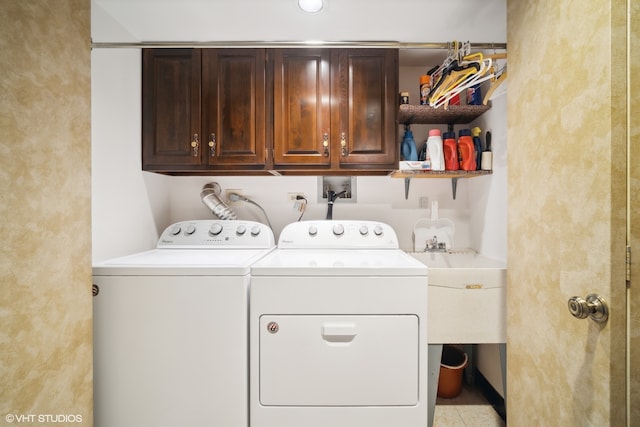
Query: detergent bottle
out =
(466, 151)
(450, 148)
(477, 146)
(408, 147)
(434, 150)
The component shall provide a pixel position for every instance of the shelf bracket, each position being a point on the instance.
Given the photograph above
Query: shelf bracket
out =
(407, 182)
(454, 187)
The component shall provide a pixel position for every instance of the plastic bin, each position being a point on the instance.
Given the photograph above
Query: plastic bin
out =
(452, 367)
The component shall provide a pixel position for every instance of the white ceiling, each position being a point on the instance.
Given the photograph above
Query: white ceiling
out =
(281, 20)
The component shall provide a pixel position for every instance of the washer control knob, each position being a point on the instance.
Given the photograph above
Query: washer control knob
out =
(313, 230)
(338, 229)
(176, 230)
(377, 230)
(190, 229)
(364, 230)
(241, 230)
(255, 230)
(215, 229)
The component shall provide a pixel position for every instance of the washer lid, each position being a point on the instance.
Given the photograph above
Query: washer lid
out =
(179, 262)
(338, 262)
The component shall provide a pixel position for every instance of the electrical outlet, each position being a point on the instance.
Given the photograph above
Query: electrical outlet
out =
(293, 197)
(424, 202)
(229, 191)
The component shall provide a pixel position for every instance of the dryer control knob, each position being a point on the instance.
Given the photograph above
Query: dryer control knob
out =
(176, 230)
(364, 230)
(190, 229)
(313, 230)
(241, 230)
(255, 230)
(338, 229)
(377, 230)
(215, 229)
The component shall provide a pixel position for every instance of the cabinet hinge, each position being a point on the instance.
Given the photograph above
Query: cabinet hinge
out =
(628, 266)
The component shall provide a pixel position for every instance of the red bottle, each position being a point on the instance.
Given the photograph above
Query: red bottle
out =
(466, 151)
(450, 148)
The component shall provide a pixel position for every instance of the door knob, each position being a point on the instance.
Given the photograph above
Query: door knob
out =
(593, 306)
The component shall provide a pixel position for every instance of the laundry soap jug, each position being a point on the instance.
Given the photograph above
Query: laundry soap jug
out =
(450, 149)
(434, 150)
(466, 151)
(408, 146)
(477, 146)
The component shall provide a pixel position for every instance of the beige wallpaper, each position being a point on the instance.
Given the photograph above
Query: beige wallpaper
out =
(45, 261)
(566, 227)
(634, 163)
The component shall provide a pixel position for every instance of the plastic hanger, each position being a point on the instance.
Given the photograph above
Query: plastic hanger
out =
(499, 79)
(468, 80)
(461, 70)
(459, 65)
(454, 78)
(455, 53)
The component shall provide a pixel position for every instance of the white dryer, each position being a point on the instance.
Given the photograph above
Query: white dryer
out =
(171, 328)
(338, 329)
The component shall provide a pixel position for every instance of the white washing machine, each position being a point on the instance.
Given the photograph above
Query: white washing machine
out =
(338, 329)
(171, 328)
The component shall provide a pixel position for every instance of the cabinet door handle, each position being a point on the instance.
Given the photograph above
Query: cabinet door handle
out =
(343, 144)
(212, 145)
(195, 145)
(325, 144)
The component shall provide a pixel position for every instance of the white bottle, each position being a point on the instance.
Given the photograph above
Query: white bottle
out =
(434, 150)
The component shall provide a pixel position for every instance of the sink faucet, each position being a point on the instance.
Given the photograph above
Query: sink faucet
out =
(434, 246)
(331, 197)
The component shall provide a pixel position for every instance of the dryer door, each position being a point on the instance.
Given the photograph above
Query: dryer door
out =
(316, 360)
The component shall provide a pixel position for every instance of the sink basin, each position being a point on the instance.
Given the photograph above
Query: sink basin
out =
(464, 269)
(456, 260)
(466, 299)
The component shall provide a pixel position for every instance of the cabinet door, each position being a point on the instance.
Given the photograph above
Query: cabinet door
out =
(365, 90)
(234, 113)
(171, 137)
(302, 108)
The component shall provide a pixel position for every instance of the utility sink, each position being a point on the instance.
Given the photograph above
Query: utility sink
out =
(463, 269)
(467, 297)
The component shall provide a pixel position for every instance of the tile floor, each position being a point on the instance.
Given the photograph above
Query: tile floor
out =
(469, 409)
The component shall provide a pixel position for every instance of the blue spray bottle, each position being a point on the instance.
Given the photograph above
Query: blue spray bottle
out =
(477, 146)
(408, 147)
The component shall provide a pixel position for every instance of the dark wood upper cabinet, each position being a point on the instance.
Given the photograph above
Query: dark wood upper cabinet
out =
(203, 110)
(302, 110)
(233, 108)
(171, 135)
(365, 98)
(335, 110)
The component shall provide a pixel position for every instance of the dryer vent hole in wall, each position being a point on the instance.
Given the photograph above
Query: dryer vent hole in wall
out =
(343, 185)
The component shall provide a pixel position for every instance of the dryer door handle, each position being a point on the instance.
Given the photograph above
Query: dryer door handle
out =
(339, 332)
